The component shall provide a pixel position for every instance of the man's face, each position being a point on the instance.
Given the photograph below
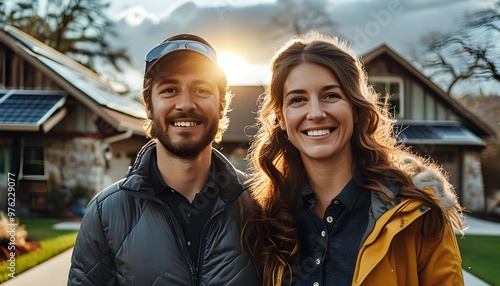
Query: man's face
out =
(185, 105)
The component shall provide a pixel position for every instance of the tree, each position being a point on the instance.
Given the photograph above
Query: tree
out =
(301, 16)
(469, 55)
(77, 28)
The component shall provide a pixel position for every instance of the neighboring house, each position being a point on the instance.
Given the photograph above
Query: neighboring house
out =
(428, 120)
(61, 125)
(433, 123)
(488, 108)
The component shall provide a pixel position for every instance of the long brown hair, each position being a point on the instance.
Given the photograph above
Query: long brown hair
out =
(270, 235)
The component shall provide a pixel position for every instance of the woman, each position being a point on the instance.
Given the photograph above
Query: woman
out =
(339, 201)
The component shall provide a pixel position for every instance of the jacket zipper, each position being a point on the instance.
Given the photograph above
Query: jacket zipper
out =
(203, 231)
(177, 232)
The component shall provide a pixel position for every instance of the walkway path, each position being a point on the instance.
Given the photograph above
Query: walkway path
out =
(54, 272)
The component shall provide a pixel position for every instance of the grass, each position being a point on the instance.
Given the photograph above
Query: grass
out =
(52, 242)
(42, 229)
(480, 256)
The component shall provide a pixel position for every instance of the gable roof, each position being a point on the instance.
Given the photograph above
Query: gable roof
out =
(468, 119)
(121, 112)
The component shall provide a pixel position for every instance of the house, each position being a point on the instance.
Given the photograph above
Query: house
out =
(433, 123)
(62, 126)
(429, 121)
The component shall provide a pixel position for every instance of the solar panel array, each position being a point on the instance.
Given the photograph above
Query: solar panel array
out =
(21, 108)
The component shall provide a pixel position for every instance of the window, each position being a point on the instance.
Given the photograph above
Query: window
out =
(33, 161)
(390, 89)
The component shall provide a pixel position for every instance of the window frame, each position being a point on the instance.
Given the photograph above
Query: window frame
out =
(38, 142)
(387, 80)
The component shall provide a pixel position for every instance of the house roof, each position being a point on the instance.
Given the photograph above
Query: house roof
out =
(467, 118)
(436, 133)
(78, 81)
(243, 111)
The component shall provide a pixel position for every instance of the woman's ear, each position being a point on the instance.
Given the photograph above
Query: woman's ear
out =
(149, 113)
(281, 122)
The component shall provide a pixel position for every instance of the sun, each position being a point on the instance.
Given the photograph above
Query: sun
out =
(235, 67)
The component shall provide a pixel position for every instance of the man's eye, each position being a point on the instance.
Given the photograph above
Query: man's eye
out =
(202, 91)
(169, 90)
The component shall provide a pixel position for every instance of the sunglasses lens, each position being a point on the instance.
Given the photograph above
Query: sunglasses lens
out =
(207, 51)
(160, 50)
(167, 47)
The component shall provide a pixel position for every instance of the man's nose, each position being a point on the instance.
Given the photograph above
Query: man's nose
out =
(185, 101)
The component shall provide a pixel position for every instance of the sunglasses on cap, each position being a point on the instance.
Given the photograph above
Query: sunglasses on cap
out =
(165, 48)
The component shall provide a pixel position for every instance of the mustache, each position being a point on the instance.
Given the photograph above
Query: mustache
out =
(190, 114)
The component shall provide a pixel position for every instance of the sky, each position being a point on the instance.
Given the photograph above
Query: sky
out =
(245, 36)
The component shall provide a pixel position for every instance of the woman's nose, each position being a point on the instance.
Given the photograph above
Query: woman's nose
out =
(315, 111)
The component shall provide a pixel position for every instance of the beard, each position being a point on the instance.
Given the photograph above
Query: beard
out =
(186, 147)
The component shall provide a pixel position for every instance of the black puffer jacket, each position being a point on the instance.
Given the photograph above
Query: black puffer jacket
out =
(130, 237)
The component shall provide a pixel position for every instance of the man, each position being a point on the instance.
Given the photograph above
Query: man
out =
(175, 219)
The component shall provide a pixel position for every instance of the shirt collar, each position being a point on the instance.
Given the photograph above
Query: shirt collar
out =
(159, 184)
(348, 196)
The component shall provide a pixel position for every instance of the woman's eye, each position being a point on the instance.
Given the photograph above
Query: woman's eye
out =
(297, 100)
(333, 95)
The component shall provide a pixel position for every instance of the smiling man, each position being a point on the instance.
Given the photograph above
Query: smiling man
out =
(175, 219)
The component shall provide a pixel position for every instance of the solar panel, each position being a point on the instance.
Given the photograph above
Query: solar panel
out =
(436, 133)
(23, 108)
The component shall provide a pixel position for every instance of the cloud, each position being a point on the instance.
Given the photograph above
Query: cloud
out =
(250, 31)
(136, 15)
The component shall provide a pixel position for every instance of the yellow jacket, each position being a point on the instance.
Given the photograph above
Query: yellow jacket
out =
(395, 253)
(394, 250)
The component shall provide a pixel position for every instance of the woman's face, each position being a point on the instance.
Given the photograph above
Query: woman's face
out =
(316, 115)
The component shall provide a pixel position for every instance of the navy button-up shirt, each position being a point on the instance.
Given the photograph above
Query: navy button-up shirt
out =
(330, 245)
(191, 216)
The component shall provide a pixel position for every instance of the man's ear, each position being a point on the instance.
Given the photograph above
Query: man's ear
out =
(149, 113)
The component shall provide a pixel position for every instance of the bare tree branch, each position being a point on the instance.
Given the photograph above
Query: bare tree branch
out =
(470, 54)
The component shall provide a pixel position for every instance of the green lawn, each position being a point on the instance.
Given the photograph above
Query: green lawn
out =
(41, 228)
(481, 256)
(52, 242)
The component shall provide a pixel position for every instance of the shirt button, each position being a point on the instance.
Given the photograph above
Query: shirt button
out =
(329, 219)
(188, 214)
(189, 242)
(315, 284)
(318, 261)
(336, 202)
(323, 233)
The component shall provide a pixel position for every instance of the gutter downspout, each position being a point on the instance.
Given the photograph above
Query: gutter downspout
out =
(118, 137)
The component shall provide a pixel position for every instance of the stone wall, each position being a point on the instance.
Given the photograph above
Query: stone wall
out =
(76, 161)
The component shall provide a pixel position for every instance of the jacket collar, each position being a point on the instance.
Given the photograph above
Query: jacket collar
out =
(227, 178)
